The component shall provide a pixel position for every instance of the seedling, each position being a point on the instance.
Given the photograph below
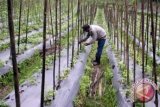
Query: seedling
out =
(49, 97)
(32, 81)
(1, 63)
(65, 74)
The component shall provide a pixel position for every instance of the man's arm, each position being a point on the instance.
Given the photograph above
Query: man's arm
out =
(94, 38)
(84, 39)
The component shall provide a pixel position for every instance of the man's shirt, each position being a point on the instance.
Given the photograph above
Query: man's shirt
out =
(96, 32)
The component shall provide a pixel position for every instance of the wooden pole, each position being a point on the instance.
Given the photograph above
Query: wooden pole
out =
(13, 51)
(44, 53)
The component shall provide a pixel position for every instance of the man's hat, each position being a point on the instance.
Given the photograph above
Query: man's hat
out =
(85, 27)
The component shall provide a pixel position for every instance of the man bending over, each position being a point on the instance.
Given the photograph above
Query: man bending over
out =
(97, 33)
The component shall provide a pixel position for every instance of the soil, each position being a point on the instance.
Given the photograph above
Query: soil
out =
(96, 76)
(4, 90)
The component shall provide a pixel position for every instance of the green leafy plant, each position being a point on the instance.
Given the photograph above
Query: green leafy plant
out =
(75, 58)
(148, 68)
(3, 104)
(27, 68)
(158, 53)
(65, 74)
(49, 97)
(32, 81)
(1, 63)
(4, 47)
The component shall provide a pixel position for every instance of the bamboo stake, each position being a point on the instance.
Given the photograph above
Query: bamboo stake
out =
(55, 41)
(28, 11)
(134, 46)
(68, 35)
(13, 51)
(127, 43)
(19, 32)
(154, 73)
(44, 52)
(59, 43)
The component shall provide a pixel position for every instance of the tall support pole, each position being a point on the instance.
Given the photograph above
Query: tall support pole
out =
(19, 32)
(13, 51)
(134, 46)
(55, 43)
(68, 34)
(127, 43)
(143, 45)
(78, 14)
(154, 52)
(44, 53)
(59, 68)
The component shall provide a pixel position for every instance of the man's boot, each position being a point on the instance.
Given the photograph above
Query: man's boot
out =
(97, 61)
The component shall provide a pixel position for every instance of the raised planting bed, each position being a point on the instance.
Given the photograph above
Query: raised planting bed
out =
(26, 69)
(138, 75)
(27, 64)
(5, 43)
(148, 55)
(108, 97)
(69, 87)
(25, 55)
(31, 88)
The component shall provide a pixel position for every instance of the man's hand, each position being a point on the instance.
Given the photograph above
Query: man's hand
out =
(86, 44)
(79, 42)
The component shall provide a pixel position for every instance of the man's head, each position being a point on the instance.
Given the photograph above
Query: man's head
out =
(86, 28)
